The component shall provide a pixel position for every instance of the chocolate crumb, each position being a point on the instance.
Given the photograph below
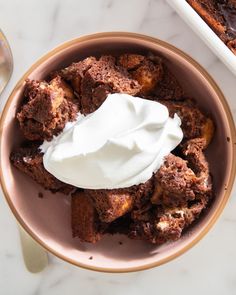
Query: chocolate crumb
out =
(91, 257)
(40, 195)
(228, 139)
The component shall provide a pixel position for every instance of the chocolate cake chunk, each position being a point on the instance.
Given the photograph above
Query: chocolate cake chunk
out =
(175, 182)
(30, 161)
(153, 75)
(193, 151)
(207, 131)
(167, 224)
(168, 88)
(84, 218)
(102, 78)
(142, 213)
(114, 203)
(111, 204)
(149, 75)
(58, 83)
(47, 108)
(179, 181)
(193, 122)
(76, 71)
(147, 72)
(143, 192)
(220, 15)
(130, 61)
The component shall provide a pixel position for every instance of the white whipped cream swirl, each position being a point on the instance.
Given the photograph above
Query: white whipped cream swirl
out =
(119, 145)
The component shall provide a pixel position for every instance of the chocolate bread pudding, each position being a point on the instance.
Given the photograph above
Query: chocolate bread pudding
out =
(47, 108)
(220, 15)
(162, 207)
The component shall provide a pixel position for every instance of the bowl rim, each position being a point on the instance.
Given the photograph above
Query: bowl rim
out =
(232, 143)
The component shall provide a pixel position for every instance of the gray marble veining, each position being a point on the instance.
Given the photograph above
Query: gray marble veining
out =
(34, 27)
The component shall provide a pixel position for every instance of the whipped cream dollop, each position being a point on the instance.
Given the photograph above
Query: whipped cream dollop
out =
(119, 145)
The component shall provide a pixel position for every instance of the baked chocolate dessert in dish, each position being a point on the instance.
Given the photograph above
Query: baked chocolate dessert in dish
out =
(156, 210)
(220, 15)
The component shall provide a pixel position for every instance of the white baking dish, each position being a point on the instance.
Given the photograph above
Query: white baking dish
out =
(191, 17)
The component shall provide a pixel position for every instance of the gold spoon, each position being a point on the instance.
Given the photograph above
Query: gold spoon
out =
(6, 62)
(35, 257)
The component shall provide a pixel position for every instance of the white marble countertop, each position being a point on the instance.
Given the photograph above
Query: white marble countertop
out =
(34, 27)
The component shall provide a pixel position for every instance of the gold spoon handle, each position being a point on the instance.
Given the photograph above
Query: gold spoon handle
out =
(35, 257)
(6, 62)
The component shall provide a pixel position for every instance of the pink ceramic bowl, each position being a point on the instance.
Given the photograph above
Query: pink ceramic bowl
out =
(47, 220)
